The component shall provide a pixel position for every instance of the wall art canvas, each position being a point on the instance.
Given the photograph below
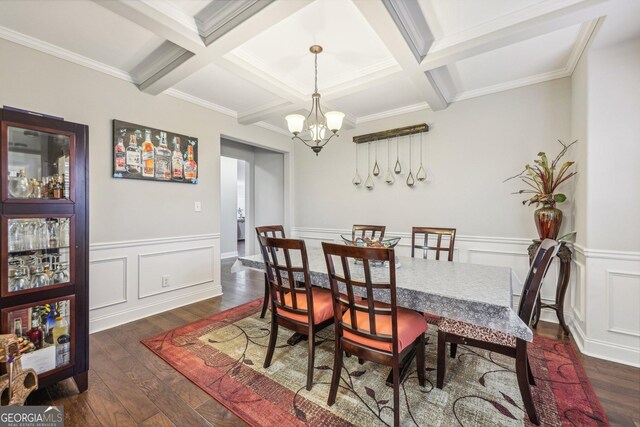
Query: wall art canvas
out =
(142, 152)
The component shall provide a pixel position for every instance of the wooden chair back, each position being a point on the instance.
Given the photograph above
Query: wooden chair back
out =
(281, 275)
(346, 299)
(532, 284)
(370, 231)
(271, 231)
(425, 232)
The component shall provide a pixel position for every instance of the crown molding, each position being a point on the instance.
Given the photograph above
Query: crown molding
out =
(273, 128)
(201, 102)
(67, 55)
(514, 84)
(585, 36)
(394, 112)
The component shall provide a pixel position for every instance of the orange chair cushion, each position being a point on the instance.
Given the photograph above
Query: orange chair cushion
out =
(410, 325)
(322, 306)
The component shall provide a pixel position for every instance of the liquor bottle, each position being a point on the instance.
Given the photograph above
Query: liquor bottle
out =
(190, 166)
(63, 350)
(177, 163)
(56, 190)
(133, 155)
(121, 156)
(163, 159)
(61, 328)
(51, 323)
(148, 156)
(35, 334)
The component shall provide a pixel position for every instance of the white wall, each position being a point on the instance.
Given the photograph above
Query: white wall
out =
(606, 108)
(471, 148)
(228, 203)
(138, 230)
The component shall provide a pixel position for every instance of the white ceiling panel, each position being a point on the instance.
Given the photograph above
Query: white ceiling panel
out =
(536, 56)
(447, 17)
(214, 84)
(351, 47)
(82, 27)
(393, 94)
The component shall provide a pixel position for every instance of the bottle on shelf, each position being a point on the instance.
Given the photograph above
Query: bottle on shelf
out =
(121, 156)
(148, 156)
(36, 334)
(51, 323)
(61, 328)
(133, 156)
(163, 159)
(190, 166)
(56, 191)
(177, 162)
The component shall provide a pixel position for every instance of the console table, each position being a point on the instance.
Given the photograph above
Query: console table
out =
(564, 254)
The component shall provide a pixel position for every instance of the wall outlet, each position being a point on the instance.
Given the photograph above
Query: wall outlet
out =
(197, 207)
(165, 281)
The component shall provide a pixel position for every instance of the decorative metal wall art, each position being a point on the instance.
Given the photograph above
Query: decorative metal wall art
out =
(374, 138)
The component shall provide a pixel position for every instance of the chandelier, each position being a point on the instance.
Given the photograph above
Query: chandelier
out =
(317, 128)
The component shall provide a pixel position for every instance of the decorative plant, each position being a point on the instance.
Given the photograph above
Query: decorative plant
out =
(543, 179)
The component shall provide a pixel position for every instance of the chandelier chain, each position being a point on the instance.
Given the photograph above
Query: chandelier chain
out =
(316, 73)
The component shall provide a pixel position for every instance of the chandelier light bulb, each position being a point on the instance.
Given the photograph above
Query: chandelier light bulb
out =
(295, 122)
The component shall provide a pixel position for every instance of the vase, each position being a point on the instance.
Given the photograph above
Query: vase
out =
(548, 222)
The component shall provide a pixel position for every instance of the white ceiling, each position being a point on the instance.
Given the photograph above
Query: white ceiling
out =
(253, 62)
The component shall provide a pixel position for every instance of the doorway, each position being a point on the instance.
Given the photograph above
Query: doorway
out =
(252, 194)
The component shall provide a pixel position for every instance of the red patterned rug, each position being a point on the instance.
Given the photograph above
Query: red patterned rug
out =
(223, 354)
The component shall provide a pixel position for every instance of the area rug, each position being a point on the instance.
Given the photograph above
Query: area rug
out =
(223, 354)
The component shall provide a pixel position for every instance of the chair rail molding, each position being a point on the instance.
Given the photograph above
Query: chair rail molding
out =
(133, 279)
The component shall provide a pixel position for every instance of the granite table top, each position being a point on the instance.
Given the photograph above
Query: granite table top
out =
(472, 293)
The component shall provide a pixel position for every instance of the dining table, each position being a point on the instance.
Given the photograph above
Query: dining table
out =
(473, 293)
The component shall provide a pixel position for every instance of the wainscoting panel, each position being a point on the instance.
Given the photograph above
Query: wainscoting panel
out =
(623, 298)
(108, 278)
(126, 278)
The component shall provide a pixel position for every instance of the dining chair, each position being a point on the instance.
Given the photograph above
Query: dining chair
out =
(268, 231)
(370, 231)
(304, 310)
(373, 330)
(456, 332)
(424, 233)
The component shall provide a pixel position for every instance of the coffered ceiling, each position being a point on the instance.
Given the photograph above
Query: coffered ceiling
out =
(249, 58)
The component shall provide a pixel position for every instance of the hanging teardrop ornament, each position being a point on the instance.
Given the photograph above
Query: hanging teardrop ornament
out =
(357, 180)
(388, 177)
(376, 168)
(369, 182)
(398, 168)
(422, 174)
(410, 180)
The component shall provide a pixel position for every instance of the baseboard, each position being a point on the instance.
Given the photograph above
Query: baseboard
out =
(604, 350)
(113, 319)
(225, 255)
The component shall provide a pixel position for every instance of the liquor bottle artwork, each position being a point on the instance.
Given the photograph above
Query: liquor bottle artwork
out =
(148, 156)
(163, 159)
(121, 156)
(177, 164)
(190, 166)
(133, 155)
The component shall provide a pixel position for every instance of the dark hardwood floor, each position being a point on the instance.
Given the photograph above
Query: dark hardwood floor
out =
(129, 385)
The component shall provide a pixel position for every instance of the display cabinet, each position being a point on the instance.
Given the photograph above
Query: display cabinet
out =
(44, 239)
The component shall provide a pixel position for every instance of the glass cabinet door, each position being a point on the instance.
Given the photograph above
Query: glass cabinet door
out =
(45, 332)
(39, 253)
(38, 163)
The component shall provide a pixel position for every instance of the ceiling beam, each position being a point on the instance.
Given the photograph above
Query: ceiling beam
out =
(226, 37)
(383, 23)
(565, 14)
